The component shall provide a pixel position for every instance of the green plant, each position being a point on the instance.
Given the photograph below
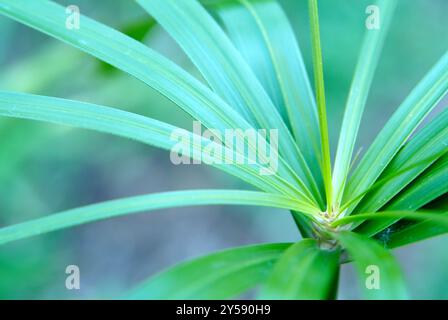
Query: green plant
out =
(382, 198)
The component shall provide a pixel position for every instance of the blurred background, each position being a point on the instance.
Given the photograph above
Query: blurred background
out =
(48, 168)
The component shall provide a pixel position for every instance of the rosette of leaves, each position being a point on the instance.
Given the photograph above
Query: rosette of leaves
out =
(254, 77)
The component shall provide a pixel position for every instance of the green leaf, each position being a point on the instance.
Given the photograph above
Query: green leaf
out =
(242, 29)
(263, 35)
(138, 60)
(359, 91)
(138, 204)
(391, 177)
(427, 187)
(221, 275)
(416, 232)
(304, 224)
(369, 256)
(398, 129)
(320, 98)
(137, 29)
(136, 127)
(196, 37)
(426, 147)
(437, 218)
(20, 76)
(304, 271)
(227, 73)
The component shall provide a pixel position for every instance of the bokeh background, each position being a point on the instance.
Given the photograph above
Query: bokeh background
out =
(48, 168)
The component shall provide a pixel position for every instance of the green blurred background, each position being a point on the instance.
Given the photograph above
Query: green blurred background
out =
(48, 168)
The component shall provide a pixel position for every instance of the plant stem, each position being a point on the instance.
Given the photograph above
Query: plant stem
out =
(320, 98)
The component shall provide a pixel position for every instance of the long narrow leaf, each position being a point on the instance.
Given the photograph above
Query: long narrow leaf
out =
(435, 217)
(369, 257)
(136, 59)
(320, 98)
(227, 73)
(133, 126)
(138, 204)
(262, 33)
(206, 45)
(398, 129)
(416, 232)
(418, 154)
(220, 275)
(427, 187)
(304, 271)
(395, 175)
(241, 28)
(359, 91)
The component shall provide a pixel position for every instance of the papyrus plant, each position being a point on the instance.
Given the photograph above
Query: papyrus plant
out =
(254, 77)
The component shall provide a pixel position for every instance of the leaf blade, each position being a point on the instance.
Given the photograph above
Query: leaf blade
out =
(228, 74)
(366, 253)
(415, 233)
(321, 105)
(414, 215)
(403, 122)
(419, 153)
(262, 33)
(132, 205)
(362, 80)
(139, 61)
(427, 187)
(220, 275)
(128, 125)
(304, 271)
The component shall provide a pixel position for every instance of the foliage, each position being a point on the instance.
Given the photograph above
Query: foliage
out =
(256, 78)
